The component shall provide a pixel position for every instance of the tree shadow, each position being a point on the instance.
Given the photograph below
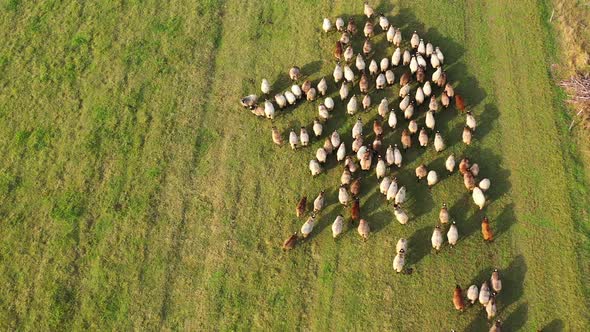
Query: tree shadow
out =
(555, 325)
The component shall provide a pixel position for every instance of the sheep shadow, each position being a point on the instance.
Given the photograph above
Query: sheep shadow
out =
(517, 318)
(512, 281)
(555, 325)
(379, 220)
(490, 166)
(419, 245)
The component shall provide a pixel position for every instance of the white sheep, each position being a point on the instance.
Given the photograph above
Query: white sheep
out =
(427, 89)
(496, 281)
(327, 25)
(419, 97)
(308, 226)
(406, 57)
(384, 185)
(415, 40)
(443, 214)
(383, 107)
(397, 39)
(343, 196)
(352, 105)
(366, 102)
(430, 121)
(265, 86)
(344, 91)
(390, 34)
(380, 82)
(400, 197)
(373, 67)
(484, 184)
(291, 98)
(437, 238)
(470, 121)
(404, 103)
(337, 226)
(453, 234)
(390, 77)
(401, 244)
(269, 110)
(323, 86)
(329, 103)
(280, 100)
(400, 215)
(384, 64)
(303, 137)
(348, 74)
(346, 177)
(357, 129)
(341, 153)
(397, 156)
(293, 140)
(439, 143)
(396, 57)
(478, 197)
(450, 163)
(399, 261)
(317, 128)
(296, 89)
(360, 62)
(314, 167)
(392, 190)
(321, 155)
(473, 294)
(412, 126)
(335, 138)
(381, 168)
(339, 24)
(484, 293)
(348, 54)
(318, 203)
(432, 178)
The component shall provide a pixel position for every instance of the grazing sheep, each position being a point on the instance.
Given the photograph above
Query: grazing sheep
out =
(430, 121)
(399, 261)
(323, 112)
(419, 96)
(381, 168)
(474, 169)
(301, 207)
(421, 47)
(496, 281)
(345, 38)
(443, 214)
(400, 197)
(437, 238)
(250, 101)
(352, 105)
(341, 153)
(409, 112)
(297, 91)
(322, 86)
(276, 136)
(421, 172)
(383, 108)
(355, 187)
(311, 94)
(392, 190)
(433, 105)
(291, 99)
(470, 121)
(293, 140)
(468, 181)
(338, 51)
(453, 234)
(390, 77)
(329, 103)
(400, 215)
(321, 155)
(421, 74)
(366, 160)
(361, 152)
(384, 185)
(397, 39)
(486, 230)
(368, 10)
(265, 86)
(367, 47)
(368, 30)
(377, 143)
(377, 127)
(269, 110)
(497, 327)
(390, 34)
(338, 73)
(479, 198)
(484, 184)
(406, 139)
(360, 63)
(281, 100)
(344, 91)
(436, 75)
(327, 25)
(413, 65)
(439, 55)
(346, 177)
(357, 143)
(402, 244)
(458, 298)
(380, 82)
(366, 102)
(405, 79)
(364, 84)
(364, 229)
(491, 308)
(389, 158)
(429, 49)
(449, 90)
(404, 90)
(290, 242)
(427, 89)
(464, 166)
(348, 74)
(351, 28)
(384, 64)
(466, 136)
(339, 24)
(318, 203)
(295, 73)
(397, 156)
(432, 178)
(355, 210)
(383, 22)
(445, 100)
(306, 86)
(484, 293)
(304, 137)
(439, 143)
(423, 138)
(352, 166)
(337, 226)
(404, 103)
(259, 111)
(473, 294)
(434, 62)
(343, 196)
(317, 127)
(415, 40)
(392, 120)
(308, 226)
(328, 146)
(459, 103)
(357, 129)
(450, 163)
(396, 57)
(413, 126)
(314, 167)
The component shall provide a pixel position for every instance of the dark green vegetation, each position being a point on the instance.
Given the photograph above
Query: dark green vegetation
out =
(135, 193)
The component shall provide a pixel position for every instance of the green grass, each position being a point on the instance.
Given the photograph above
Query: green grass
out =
(136, 194)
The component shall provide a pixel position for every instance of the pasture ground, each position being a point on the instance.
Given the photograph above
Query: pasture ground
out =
(136, 194)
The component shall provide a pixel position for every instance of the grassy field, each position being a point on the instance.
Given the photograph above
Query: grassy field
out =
(135, 193)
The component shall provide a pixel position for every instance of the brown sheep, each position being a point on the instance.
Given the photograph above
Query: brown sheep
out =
(355, 187)
(468, 180)
(445, 100)
(459, 103)
(464, 166)
(367, 47)
(351, 28)
(276, 136)
(406, 139)
(364, 83)
(306, 86)
(449, 90)
(458, 298)
(377, 128)
(420, 75)
(301, 207)
(486, 230)
(442, 80)
(290, 242)
(338, 51)
(421, 172)
(295, 73)
(378, 143)
(405, 79)
(355, 210)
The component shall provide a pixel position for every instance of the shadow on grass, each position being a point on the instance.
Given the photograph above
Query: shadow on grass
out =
(555, 325)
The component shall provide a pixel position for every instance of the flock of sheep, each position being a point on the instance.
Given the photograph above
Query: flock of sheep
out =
(437, 92)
